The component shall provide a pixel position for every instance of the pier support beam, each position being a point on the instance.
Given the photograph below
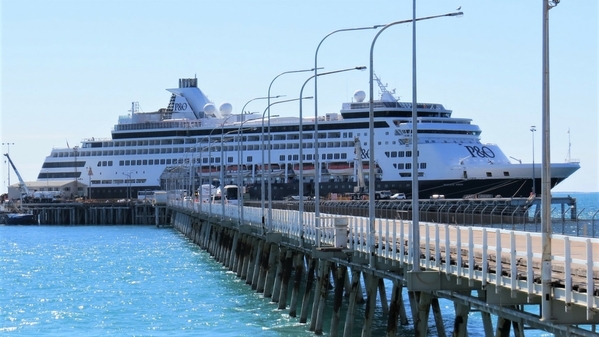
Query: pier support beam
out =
(264, 257)
(309, 286)
(287, 269)
(340, 276)
(320, 301)
(276, 291)
(297, 282)
(371, 287)
(351, 307)
(271, 273)
(421, 319)
(460, 326)
(438, 315)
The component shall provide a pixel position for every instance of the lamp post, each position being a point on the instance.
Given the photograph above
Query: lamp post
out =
(262, 186)
(268, 103)
(371, 171)
(240, 179)
(546, 284)
(301, 152)
(317, 163)
(222, 173)
(239, 191)
(534, 189)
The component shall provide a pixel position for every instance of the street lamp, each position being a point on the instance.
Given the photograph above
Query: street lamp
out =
(317, 163)
(534, 189)
(240, 154)
(222, 173)
(371, 172)
(268, 103)
(262, 187)
(301, 151)
(546, 268)
(240, 180)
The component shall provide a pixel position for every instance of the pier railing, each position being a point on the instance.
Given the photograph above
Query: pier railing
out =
(503, 259)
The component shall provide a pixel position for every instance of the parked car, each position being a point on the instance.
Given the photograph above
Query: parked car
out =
(398, 196)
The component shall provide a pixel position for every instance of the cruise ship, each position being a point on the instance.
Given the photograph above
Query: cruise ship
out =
(191, 142)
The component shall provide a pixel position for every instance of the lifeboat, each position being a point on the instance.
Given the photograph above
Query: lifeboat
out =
(307, 170)
(366, 167)
(209, 170)
(274, 169)
(235, 169)
(341, 168)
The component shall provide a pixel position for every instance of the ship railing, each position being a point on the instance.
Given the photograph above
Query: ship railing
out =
(158, 125)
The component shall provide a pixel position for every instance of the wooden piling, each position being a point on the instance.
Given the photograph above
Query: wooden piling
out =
(276, 291)
(297, 282)
(310, 276)
(351, 306)
(438, 317)
(324, 287)
(287, 269)
(340, 276)
(271, 273)
(264, 256)
(421, 319)
(371, 287)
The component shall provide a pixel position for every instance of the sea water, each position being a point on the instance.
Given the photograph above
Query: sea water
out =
(144, 281)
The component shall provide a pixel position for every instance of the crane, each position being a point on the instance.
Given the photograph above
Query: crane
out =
(22, 186)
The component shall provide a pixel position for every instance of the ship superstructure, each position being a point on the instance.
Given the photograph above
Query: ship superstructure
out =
(191, 143)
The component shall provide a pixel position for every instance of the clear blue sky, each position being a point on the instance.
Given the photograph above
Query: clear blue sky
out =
(71, 67)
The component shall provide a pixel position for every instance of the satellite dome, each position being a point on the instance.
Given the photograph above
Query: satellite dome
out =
(226, 109)
(359, 96)
(209, 109)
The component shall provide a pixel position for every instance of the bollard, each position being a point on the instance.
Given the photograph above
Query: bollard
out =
(340, 232)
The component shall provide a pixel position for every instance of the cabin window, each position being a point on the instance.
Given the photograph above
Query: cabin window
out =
(282, 158)
(506, 174)
(422, 165)
(408, 153)
(408, 166)
(405, 174)
(489, 174)
(336, 156)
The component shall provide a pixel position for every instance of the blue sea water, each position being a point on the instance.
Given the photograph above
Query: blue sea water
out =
(142, 281)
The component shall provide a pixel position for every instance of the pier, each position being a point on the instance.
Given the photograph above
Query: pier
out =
(97, 212)
(494, 271)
